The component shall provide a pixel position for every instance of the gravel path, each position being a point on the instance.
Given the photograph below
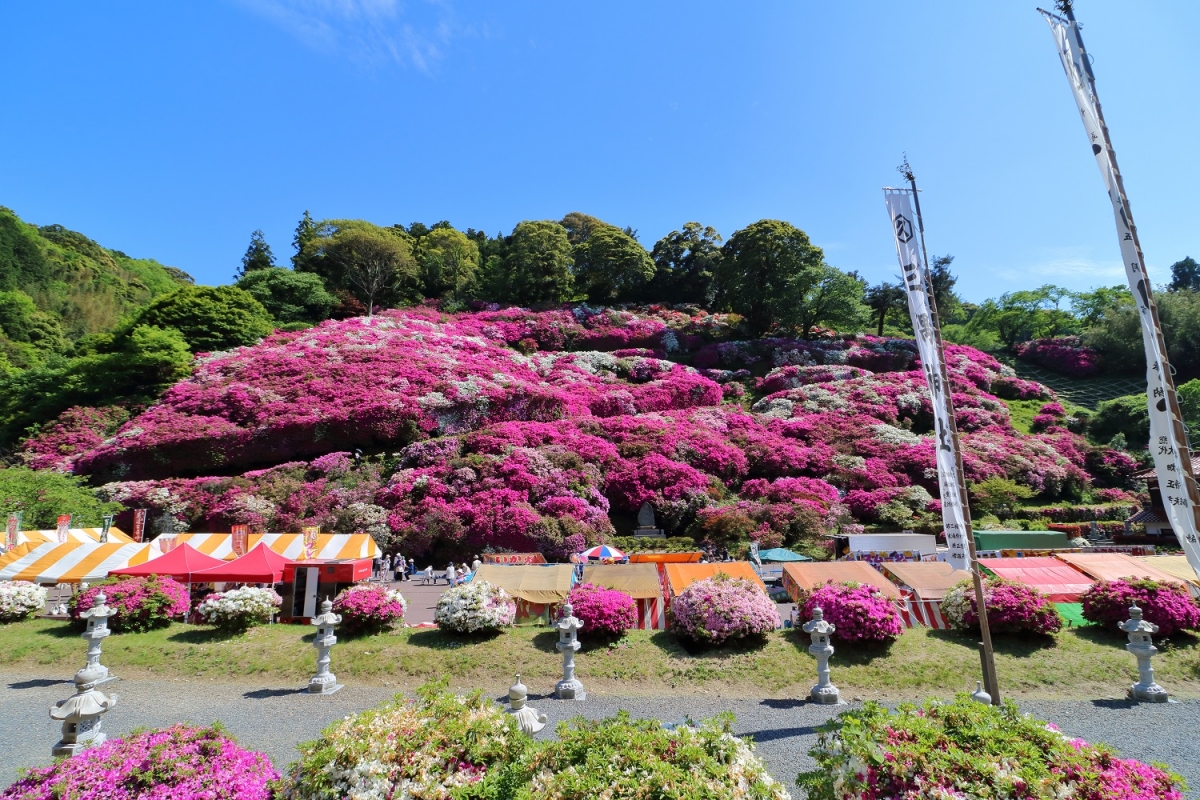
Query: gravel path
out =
(275, 719)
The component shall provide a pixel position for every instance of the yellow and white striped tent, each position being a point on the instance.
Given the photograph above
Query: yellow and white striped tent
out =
(73, 562)
(289, 545)
(115, 536)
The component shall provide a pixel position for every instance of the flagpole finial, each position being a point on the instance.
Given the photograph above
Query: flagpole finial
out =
(905, 170)
(1064, 6)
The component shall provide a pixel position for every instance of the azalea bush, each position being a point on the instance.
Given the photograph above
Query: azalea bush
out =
(176, 762)
(239, 609)
(1067, 355)
(1011, 608)
(475, 607)
(20, 599)
(436, 746)
(369, 608)
(722, 609)
(606, 613)
(141, 604)
(1167, 605)
(967, 749)
(858, 612)
(621, 758)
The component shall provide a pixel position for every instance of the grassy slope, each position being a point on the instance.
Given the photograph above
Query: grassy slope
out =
(1077, 663)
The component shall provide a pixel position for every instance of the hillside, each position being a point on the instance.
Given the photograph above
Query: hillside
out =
(444, 433)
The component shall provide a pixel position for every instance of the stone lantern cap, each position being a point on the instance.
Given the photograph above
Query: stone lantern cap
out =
(1135, 623)
(85, 702)
(326, 617)
(818, 624)
(518, 693)
(98, 610)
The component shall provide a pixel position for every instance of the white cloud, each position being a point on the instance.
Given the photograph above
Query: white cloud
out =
(1069, 264)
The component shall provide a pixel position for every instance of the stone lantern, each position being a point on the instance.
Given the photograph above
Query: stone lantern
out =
(1143, 648)
(528, 718)
(324, 682)
(820, 649)
(97, 631)
(569, 688)
(80, 713)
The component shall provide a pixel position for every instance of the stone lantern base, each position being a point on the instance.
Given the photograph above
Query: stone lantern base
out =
(825, 695)
(1150, 694)
(569, 690)
(323, 687)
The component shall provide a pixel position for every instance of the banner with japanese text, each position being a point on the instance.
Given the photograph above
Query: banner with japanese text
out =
(13, 531)
(310, 543)
(139, 524)
(240, 538)
(64, 527)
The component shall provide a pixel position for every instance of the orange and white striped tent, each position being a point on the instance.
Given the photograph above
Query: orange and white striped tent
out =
(330, 546)
(115, 536)
(74, 562)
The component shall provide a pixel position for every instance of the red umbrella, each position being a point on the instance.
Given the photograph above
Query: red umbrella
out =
(260, 565)
(180, 563)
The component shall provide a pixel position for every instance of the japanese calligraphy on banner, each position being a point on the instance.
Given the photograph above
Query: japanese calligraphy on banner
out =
(310, 543)
(12, 533)
(167, 543)
(108, 521)
(513, 558)
(239, 539)
(1168, 442)
(64, 527)
(904, 229)
(139, 524)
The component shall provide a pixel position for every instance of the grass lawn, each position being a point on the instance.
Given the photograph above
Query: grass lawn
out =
(1079, 663)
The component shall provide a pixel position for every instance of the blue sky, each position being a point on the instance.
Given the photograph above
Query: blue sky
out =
(172, 130)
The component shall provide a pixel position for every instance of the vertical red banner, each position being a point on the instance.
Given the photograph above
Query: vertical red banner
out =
(64, 527)
(12, 533)
(310, 543)
(241, 537)
(139, 524)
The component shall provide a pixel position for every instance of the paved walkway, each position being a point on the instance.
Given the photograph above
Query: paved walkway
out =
(275, 719)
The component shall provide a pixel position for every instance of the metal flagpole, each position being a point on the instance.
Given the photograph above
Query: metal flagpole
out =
(987, 654)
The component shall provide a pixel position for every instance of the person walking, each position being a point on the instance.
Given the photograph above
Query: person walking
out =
(475, 565)
(451, 577)
(412, 568)
(401, 568)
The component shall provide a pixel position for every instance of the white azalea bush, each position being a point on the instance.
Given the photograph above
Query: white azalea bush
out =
(19, 599)
(475, 607)
(239, 609)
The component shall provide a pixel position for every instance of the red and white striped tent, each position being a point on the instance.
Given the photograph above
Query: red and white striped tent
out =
(924, 584)
(639, 581)
(922, 613)
(330, 546)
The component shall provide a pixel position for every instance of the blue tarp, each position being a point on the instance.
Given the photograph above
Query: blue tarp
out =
(781, 554)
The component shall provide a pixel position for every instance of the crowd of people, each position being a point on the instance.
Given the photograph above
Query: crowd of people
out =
(398, 568)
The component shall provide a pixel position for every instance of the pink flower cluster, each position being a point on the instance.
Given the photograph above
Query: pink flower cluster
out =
(75, 431)
(176, 762)
(368, 608)
(1013, 608)
(859, 613)
(1167, 605)
(1067, 355)
(140, 603)
(606, 613)
(722, 609)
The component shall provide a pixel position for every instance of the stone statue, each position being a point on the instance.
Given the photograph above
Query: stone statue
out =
(80, 713)
(97, 631)
(820, 649)
(1143, 648)
(646, 516)
(569, 688)
(528, 718)
(324, 682)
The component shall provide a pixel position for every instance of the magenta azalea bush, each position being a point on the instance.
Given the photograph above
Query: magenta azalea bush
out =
(722, 609)
(1067, 355)
(141, 604)
(369, 608)
(1011, 608)
(859, 613)
(606, 613)
(1167, 605)
(176, 762)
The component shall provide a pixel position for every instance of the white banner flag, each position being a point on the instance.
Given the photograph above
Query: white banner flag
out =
(1167, 442)
(908, 250)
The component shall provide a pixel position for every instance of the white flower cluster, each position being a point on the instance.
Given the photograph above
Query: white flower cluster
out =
(475, 607)
(955, 605)
(19, 599)
(239, 607)
(890, 434)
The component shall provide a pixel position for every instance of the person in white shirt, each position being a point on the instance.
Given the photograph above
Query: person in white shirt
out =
(475, 565)
(451, 575)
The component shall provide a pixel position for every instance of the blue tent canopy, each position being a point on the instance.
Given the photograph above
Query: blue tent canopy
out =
(781, 554)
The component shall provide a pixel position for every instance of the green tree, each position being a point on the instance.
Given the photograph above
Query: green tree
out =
(448, 262)
(1185, 275)
(210, 318)
(21, 321)
(580, 226)
(258, 255)
(537, 265)
(307, 232)
(999, 496)
(43, 495)
(685, 262)
(1027, 314)
(375, 264)
(610, 265)
(827, 296)
(942, 281)
(884, 298)
(289, 296)
(1118, 335)
(1090, 307)
(1127, 416)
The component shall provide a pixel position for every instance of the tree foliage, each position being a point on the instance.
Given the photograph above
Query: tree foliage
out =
(537, 265)
(1185, 275)
(611, 266)
(883, 299)
(1118, 334)
(42, 496)
(210, 318)
(448, 262)
(258, 255)
(685, 262)
(289, 296)
(375, 264)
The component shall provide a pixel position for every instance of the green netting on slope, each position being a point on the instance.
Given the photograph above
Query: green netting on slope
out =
(1086, 392)
(1072, 614)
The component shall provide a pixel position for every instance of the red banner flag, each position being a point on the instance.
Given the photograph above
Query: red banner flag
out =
(64, 527)
(241, 537)
(139, 524)
(310, 543)
(14, 530)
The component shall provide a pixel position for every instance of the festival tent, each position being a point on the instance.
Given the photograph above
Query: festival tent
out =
(260, 565)
(1114, 566)
(681, 576)
(74, 562)
(928, 580)
(639, 581)
(663, 557)
(14, 553)
(1021, 540)
(115, 536)
(1177, 566)
(181, 563)
(1047, 574)
(330, 546)
(536, 588)
(808, 576)
(780, 554)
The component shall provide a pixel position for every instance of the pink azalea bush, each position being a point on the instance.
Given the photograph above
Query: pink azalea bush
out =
(722, 609)
(369, 608)
(859, 613)
(1167, 605)
(141, 604)
(177, 762)
(1067, 355)
(74, 432)
(606, 613)
(1011, 608)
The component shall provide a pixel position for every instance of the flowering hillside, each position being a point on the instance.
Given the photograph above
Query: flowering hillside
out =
(524, 429)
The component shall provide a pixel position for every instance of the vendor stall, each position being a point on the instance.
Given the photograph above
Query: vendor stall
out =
(1177, 566)
(928, 580)
(305, 583)
(536, 588)
(798, 578)
(74, 562)
(260, 565)
(639, 581)
(663, 557)
(681, 576)
(330, 546)
(1114, 566)
(115, 536)
(1049, 575)
(181, 564)
(880, 547)
(1021, 540)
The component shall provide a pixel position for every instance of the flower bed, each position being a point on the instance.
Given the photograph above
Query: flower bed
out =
(475, 607)
(176, 762)
(722, 609)
(967, 749)
(606, 613)
(20, 599)
(621, 758)
(438, 746)
(239, 609)
(369, 608)
(859, 613)
(1067, 355)
(141, 604)
(1167, 605)
(1011, 607)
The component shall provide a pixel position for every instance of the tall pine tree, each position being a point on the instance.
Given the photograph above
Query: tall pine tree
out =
(258, 255)
(306, 232)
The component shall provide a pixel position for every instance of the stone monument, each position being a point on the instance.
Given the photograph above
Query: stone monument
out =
(569, 688)
(97, 631)
(324, 682)
(1143, 649)
(645, 519)
(528, 718)
(80, 713)
(980, 696)
(820, 649)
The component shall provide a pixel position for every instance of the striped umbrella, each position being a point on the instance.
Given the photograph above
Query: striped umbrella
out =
(603, 551)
